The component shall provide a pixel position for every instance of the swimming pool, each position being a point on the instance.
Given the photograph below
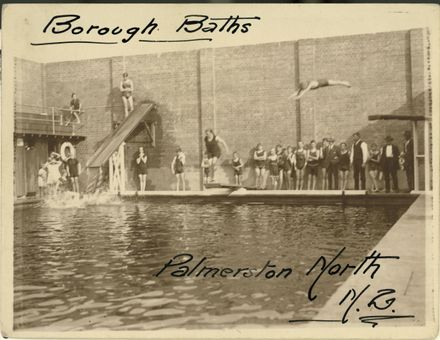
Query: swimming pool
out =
(95, 267)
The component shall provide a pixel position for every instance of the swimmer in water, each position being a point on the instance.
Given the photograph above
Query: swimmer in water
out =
(305, 87)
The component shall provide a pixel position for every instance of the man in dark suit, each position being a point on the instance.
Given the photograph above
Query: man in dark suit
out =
(389, 160)
(333, 157)
(358, 160)
(408, 150)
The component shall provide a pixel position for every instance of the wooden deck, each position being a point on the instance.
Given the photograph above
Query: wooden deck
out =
(46, 125)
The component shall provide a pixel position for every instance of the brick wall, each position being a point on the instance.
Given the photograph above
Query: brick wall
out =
(91, 81)
(242, 93)
(250, 86)
(28, 86)
(386, 73)
(171, 81)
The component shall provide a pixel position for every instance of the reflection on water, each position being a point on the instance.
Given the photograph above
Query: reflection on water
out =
(93, 267)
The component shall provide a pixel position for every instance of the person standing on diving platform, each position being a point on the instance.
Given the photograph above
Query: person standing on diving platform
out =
(212, 143)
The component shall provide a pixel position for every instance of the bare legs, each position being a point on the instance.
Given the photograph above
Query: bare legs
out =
(212, 167)
(339, 82)
(128, 105)
(274, 180)
(238, 179)
(289, 180)
(143, 182)
(259, 178)
(311, 182)
(374, 178)
(180, 180)
(344, 177)
(299, 179)
(75, 184)
(314, 84)
(76, 115)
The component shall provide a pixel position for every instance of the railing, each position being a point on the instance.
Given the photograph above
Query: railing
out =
(46, 120)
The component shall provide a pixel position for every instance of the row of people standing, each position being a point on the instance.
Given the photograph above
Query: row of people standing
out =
(288, 167)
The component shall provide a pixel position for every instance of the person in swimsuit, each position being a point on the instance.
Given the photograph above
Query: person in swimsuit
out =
(290, 156)
(126, 87)
(323, 163)
(75, 109)
(312, 165)
(306, 86)
(281, 160)
(237, 165)
(344, 165)
(284, 166)
(141, 167)
(72, 167)
(274, 171)
(212, 143)
(300, 164)
(205, 166)
(374, 167)
(177, 167)
(260, 162)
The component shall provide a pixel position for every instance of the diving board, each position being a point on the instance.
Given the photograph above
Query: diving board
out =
(114, 140)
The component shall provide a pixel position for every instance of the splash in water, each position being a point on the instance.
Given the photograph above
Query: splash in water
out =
(70, 199)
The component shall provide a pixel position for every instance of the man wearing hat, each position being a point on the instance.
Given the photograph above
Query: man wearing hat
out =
(389, 160)
(408, 150)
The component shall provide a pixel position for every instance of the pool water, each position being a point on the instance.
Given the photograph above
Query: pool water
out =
(94, 267)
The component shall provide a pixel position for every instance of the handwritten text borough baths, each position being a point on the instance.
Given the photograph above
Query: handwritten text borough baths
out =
(192, 27)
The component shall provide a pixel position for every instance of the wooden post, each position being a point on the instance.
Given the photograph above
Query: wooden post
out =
(110, 172)
(427, 152)
(416, 154)
(122, 164)
(53, 120)
(153, 133)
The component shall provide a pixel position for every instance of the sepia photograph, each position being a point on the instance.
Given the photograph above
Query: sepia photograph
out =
(220, 171)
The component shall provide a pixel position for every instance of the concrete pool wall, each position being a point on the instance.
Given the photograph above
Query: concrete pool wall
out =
(410, 239)
(225, 195)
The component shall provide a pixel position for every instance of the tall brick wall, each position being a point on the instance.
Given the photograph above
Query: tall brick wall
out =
(386, 73)
(171, 81)
(91, 81)
(250, 86)
(242, 93)
(29, 89)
